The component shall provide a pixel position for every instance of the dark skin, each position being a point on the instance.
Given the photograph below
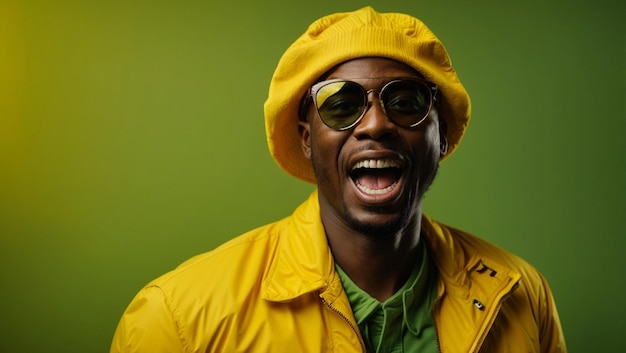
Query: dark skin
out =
(373, 235)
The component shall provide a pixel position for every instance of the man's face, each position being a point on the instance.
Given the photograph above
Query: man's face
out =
(371, 178)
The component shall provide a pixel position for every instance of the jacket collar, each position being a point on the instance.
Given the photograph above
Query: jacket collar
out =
(303, 262)
(467, 265)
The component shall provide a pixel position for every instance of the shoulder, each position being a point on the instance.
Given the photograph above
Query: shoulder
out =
(456, 250)
(471, 267)
(200, 294)
(240, 259)
(213, 284)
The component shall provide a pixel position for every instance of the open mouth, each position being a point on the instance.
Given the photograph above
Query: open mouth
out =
(376, 176)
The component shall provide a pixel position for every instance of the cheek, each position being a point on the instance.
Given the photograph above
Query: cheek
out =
(431, 136)
(425, 152)
(432, 140)
(322, 151)
(325, 141)
(432, 154)
(326, 147)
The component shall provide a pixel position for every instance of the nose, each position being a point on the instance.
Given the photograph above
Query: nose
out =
(375, 124)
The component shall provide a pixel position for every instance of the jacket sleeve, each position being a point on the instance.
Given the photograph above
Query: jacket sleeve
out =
(148, 326)
(552, 339)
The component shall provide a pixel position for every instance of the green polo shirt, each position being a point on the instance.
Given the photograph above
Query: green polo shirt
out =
(404, 322)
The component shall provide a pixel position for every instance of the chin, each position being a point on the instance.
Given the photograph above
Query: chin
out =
(373, 229)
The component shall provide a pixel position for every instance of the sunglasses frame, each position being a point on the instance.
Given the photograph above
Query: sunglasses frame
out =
(313, 90)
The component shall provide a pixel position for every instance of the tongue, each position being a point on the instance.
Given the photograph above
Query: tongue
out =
(378, 179)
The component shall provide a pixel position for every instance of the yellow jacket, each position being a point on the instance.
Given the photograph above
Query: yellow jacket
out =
(274, 289)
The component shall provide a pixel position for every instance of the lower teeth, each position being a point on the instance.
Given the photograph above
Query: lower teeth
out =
(369, 191)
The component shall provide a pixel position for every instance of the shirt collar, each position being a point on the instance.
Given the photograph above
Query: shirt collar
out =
(412, 300)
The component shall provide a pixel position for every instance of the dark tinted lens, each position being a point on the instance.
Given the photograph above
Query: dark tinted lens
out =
(340, 103)
(406, 102)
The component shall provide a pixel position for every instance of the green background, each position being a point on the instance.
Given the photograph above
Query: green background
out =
(132, 138)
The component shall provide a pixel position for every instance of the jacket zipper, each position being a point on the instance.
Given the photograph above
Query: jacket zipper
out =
(356, 332)
(483, 332)
(432, 314)
(492, 318)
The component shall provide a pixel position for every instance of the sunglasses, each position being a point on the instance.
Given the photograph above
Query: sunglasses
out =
(341, 104)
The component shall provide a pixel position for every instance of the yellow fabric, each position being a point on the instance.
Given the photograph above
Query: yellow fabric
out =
(275, 289)
(340, 37)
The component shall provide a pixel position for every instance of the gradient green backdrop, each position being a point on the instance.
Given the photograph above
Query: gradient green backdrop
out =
(131, 138)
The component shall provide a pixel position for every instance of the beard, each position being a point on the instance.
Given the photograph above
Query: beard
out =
(395, 225)
(378, 230)
(403, 219)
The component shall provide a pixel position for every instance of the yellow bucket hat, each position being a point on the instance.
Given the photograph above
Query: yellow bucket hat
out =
(336, 38)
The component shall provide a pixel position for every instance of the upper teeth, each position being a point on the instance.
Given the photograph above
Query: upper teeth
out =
(376, 164)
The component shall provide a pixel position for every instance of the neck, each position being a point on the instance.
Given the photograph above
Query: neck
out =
(377, 264)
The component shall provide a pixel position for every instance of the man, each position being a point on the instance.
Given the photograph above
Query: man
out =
(364, 105)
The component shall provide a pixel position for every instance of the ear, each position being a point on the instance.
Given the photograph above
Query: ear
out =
(443, 140)
(304, 128)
